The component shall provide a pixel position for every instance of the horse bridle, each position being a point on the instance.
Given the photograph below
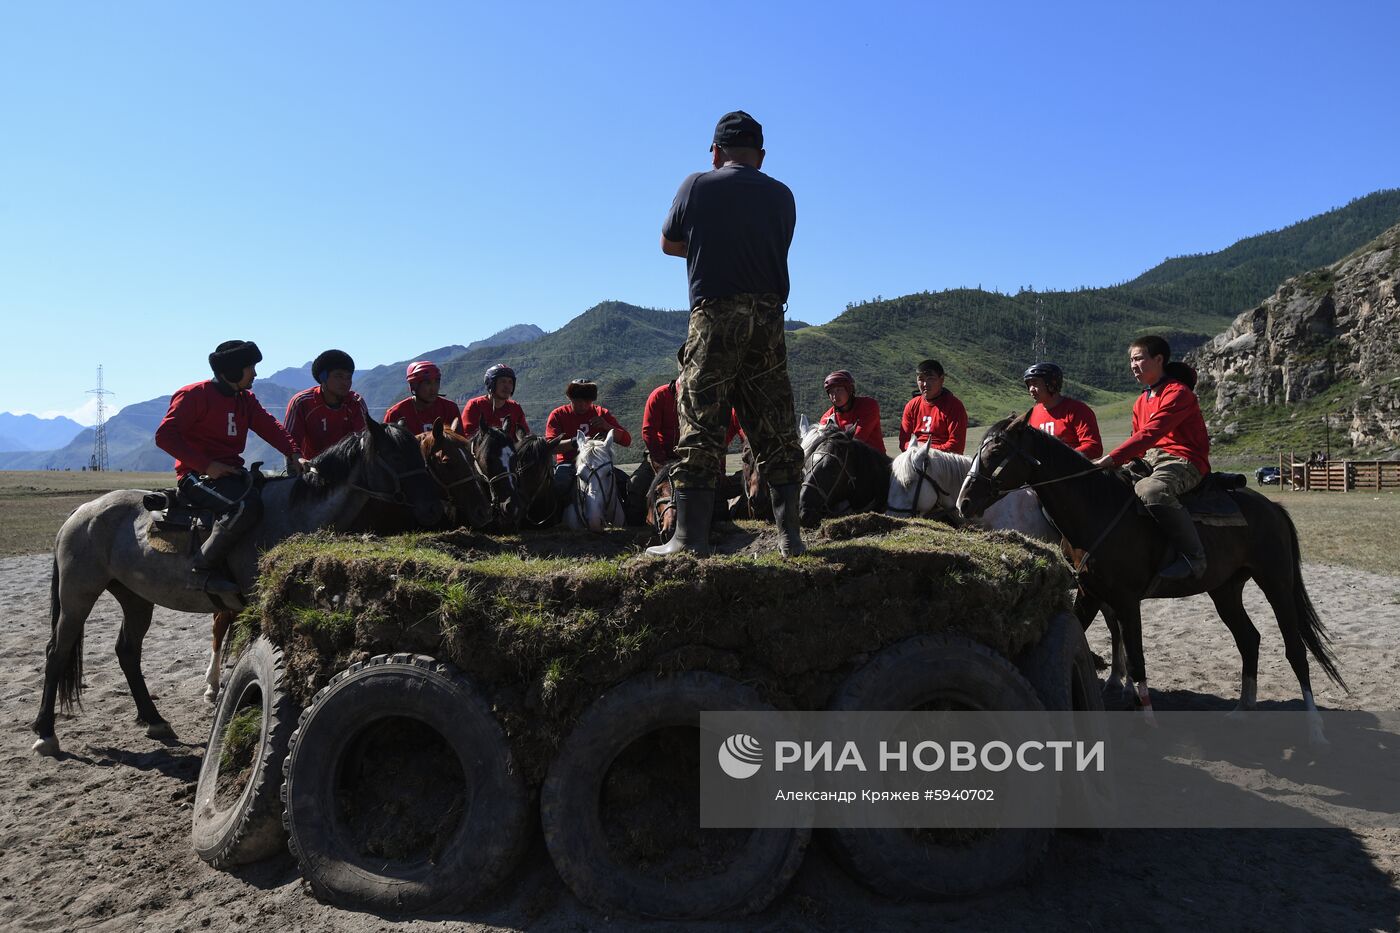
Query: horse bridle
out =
(520, 468)
(918, 488)
(820, 454)
(498, 504)
(1078, 568)
(584, 478)
(662, 504)
(398, 496)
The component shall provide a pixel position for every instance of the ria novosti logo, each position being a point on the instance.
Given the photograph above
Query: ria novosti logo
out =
(741, 756)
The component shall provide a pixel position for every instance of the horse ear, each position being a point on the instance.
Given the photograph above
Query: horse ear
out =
(580, 437)
(803, 425)
(520, 435)
(437, 430)
(608, 440)
(851, 430)
(554, 442)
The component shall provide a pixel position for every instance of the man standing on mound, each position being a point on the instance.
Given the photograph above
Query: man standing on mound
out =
(733, 225)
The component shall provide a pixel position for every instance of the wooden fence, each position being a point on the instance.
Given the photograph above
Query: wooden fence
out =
(1339, 475)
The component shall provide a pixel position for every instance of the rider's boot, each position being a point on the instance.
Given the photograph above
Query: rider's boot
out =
(1180, 530)
(785, 512)
(694, 510)
(208, 567)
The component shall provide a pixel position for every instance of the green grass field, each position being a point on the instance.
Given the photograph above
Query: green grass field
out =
(1355, 529)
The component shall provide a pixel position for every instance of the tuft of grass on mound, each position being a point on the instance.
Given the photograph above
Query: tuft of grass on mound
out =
(544, 623)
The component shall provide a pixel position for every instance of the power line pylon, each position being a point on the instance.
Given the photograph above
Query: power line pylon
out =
(99, 440)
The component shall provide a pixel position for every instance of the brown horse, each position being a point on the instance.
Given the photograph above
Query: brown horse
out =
(1095, 511)
(448, 456)
(661, 505)
(757, 503)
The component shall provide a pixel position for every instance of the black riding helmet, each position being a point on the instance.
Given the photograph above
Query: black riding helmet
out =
(231, 357)
(1054, 377)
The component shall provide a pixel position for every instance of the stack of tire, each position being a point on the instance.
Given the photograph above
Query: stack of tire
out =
(486, 827)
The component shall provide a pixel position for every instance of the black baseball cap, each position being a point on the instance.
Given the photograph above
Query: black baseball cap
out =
(738, 130)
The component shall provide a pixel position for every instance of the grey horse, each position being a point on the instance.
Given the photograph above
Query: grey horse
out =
(104, 546)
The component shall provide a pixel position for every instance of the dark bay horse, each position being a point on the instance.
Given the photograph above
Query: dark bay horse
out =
(1096, 513)
(757, 503)
(448, 457)
(492, 453)
(661, 504)
(534, 472)
(105, 546)
(840, 474)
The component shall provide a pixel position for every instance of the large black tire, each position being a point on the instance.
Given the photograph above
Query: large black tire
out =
(937, 670)
(480, 829)
(1061, 667)
(250, 828)
(571, 805)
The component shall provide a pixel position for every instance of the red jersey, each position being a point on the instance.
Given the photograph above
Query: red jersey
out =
(661, 429)
(419, 420)
(1072, 422)
(208, 421)
(315, 425)
(1168, 417)
(864, 413)
(482, 409)
(942, 421)
(565, 422)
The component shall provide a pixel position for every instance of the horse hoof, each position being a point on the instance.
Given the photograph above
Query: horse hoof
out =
(210, 695)
(47, 746)
(161, 731)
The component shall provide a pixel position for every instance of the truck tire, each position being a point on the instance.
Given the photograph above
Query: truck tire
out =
(445, 817)
(762, 862)
(249, 828)
(924, 670)
(1061, 667)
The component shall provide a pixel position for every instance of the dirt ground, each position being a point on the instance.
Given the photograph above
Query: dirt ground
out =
(99, 839)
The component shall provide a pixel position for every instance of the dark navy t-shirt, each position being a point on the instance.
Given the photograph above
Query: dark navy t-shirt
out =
(737, 223)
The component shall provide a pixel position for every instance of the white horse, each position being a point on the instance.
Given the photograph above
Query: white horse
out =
(923, 479)
(596, 502)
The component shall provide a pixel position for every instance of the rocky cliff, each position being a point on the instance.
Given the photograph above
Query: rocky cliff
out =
(1322, 353)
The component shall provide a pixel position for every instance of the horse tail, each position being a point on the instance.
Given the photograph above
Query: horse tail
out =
(70, 679)
(1310, 626)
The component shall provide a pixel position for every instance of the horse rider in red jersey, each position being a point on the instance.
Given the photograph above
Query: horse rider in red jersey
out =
(320, 416)
(425, 404)
(1067, 418)
(565, 422)
(935, 414)
(1169, 433)
(205, 430)
(848, 409)
(495, 409)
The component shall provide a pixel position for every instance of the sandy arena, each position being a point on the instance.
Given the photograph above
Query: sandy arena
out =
(99, 839)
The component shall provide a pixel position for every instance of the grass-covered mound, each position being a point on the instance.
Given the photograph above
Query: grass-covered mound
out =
(542, 623)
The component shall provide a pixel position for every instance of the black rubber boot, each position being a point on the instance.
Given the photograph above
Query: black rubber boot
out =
(1180, 530)
(695, 508)
(207, 568)
(785, 513)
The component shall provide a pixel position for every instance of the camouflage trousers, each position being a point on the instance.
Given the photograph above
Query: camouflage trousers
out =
(1171, 477)
(735, 355)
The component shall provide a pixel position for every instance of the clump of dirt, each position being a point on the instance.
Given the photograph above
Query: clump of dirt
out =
(542, 623)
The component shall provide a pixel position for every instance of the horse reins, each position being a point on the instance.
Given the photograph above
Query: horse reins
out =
(398, 497)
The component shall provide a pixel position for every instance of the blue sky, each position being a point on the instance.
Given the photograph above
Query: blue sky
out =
(387, 178)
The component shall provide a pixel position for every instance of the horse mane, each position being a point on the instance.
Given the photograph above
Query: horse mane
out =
(333, 468)
(945, 463)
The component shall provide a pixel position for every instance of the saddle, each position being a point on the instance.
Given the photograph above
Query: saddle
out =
(171, 518)
(1210, 502)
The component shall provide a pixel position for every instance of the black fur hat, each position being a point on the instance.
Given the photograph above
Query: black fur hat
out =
(231, 357)
(330, 359)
